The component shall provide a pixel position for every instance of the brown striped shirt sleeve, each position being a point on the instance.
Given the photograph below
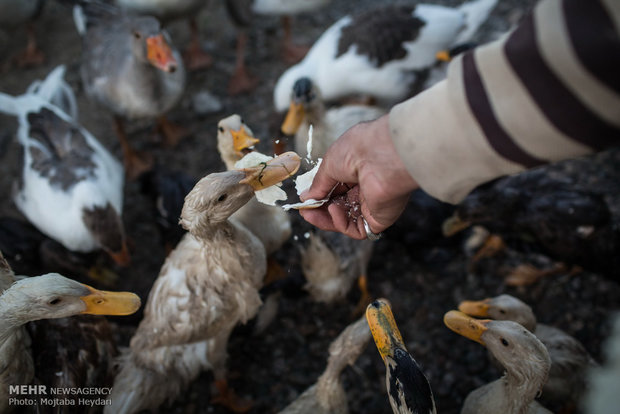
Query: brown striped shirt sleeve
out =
(547, 91)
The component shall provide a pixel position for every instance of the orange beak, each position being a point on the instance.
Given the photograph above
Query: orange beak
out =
(159, 53)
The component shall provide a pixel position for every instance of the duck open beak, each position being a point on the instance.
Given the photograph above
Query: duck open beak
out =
(272, 172)
(453, 225)
(100, 302)
(466, 325)
(159, 53)
(383, 328)
(242, 140)
(477, 308)
(294, 117)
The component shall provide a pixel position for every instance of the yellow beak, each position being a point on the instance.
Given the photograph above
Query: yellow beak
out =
(443, 56)
(100, 302)
(383, 328)
(294, 118)
(272, 172)
(477, 308)
(242, 140)
(466, 326)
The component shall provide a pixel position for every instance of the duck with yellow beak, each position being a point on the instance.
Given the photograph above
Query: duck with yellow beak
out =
(209, 283)
(408, 389)
(49, 296)
(524, 358)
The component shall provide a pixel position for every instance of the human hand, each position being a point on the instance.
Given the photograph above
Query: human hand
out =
(368, 179)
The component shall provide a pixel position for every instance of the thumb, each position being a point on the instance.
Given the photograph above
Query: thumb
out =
(322, 184)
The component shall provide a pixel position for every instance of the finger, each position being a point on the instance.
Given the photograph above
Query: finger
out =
(344, 224)
(321, 185)
(318, 217)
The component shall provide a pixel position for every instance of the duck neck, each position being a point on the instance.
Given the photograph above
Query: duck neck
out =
(213, 231)
(14, 311)
(521, 388)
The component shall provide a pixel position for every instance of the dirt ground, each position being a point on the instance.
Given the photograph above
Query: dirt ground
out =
(423, 274)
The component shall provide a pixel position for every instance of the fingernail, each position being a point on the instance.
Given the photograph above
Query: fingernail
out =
(303, 195)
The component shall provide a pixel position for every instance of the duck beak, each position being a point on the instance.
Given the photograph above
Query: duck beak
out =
(443, 56)
(159, 53)
(453, 225)
(100, 302)
(466, 326)
(294, 117)
(122, 257)
(383, 328)
(242, 140)
(272, 172)
(477, 308)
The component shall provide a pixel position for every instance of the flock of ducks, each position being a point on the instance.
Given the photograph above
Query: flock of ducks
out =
(71, 189)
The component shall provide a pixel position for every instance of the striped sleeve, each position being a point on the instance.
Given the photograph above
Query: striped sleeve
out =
(547, 91)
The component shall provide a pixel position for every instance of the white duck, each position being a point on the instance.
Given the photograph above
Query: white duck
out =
(207, 285)
(48, 296)
(71, 187)
(382, 52)
(525, 360)
(307, 108)
(569, 359)
(327, 395)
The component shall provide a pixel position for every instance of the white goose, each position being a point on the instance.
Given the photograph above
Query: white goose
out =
(71, 187)
(382, 52)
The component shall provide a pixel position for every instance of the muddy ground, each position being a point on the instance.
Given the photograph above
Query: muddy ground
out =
(423, 275)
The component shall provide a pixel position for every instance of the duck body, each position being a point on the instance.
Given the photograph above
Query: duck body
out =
(117, 69)
(208, 284)
(16, 12)
(286, 7)
(71, 187)
(380, 53)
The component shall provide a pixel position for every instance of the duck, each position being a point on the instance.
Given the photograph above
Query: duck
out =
(525, 360)
(195, 57)
(409, 392)
(383, 53)
(549, 211)
(130, 67)
(331, 264)
(71, 187)
(570, 361)
(308, 108)
(208, 284)
(15, 13)
(327, 395)
(242, 13)
(270, 224)
(47, 296)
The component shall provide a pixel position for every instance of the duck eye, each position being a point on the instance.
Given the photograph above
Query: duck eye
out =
(502, 311)
(221, 129)
(137, 35)
(504, 342)
(222, 197)
(54, 301)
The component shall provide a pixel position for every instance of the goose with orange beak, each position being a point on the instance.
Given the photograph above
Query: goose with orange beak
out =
(408, 389)
(130, 67)
(524, 358)
(208, 285)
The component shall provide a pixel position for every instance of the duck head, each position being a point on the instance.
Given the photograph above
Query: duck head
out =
(152, 44)
(218, 195)
(502, 308)
(234, 139)
(304, 97)
(524, 357)
(55, 296)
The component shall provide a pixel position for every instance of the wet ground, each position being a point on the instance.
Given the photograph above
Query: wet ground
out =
(422, 274)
